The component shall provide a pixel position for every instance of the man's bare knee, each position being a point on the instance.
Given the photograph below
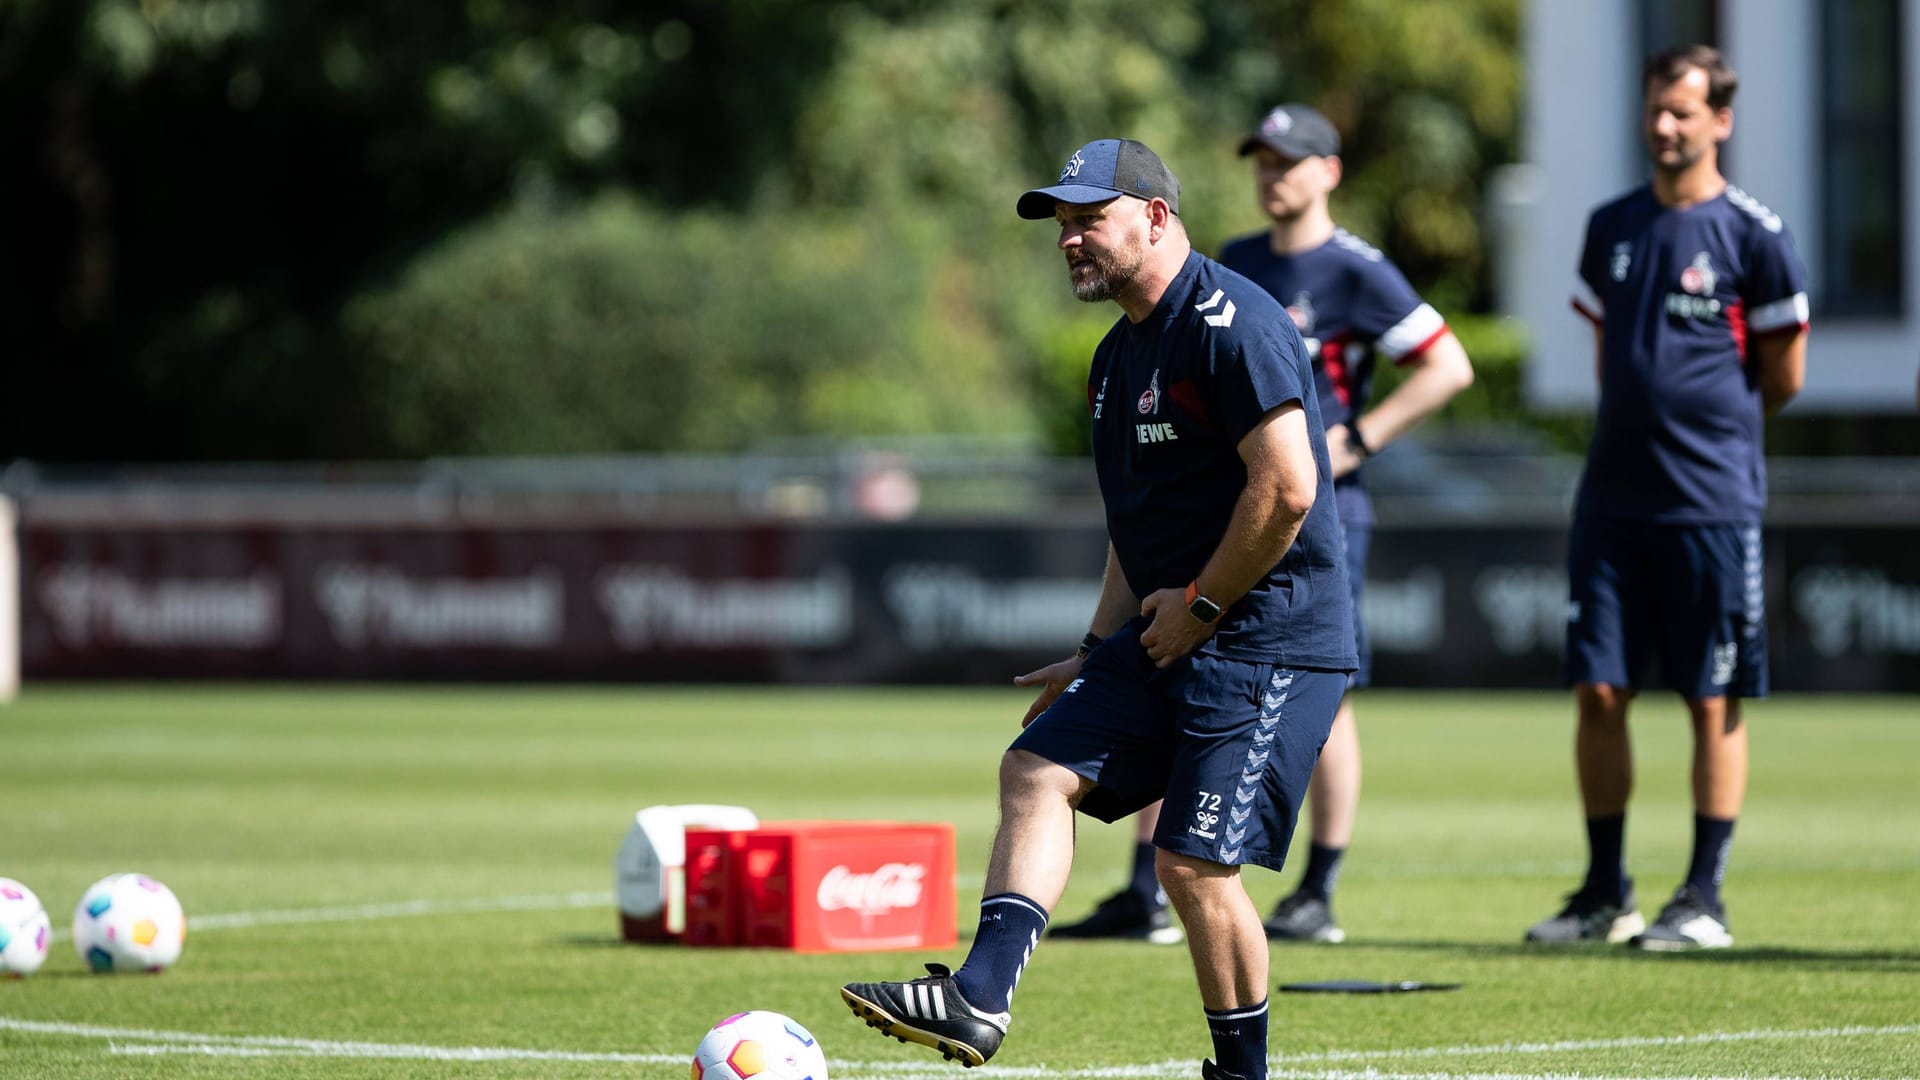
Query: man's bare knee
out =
(1026, 775)
(1184, 876)
(1711, 716)
(1601, 705)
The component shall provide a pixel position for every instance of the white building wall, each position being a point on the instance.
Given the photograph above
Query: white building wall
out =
(1580, 143)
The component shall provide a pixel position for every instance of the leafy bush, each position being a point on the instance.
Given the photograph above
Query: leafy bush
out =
(614, 327)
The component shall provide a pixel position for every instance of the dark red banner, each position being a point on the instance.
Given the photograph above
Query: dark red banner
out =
(1466, 606)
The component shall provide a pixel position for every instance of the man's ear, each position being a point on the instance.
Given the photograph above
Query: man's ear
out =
(1158, 215)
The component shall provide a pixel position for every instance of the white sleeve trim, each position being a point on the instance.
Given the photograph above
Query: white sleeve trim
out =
(1418, 328)
(1587, 302)
(1780, 314)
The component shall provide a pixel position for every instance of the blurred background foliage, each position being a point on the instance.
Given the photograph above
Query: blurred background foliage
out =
(313, 229)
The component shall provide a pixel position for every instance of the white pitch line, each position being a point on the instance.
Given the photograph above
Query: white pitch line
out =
(139, 1041)
(1182, 1069)
(1370, 1074)
(194, 1042)
(1621, 1043)
(1172, 1069)
(1284, 1066)
(399, 909)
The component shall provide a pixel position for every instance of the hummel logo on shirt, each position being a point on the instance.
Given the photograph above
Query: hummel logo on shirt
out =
(1225, 317)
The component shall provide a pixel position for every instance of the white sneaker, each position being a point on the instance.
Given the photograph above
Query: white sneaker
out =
(1588, 918)
(1688, 922)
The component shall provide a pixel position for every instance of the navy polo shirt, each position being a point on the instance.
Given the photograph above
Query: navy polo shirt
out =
(1352, 307)
(1171, 397)
(1678, 294)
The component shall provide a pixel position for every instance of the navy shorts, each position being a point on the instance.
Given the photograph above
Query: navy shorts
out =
(1230, 745)
(1691, 596)
(1359, 539)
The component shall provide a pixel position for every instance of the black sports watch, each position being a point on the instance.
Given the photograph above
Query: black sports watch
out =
(1354, 440)
(1200, 607)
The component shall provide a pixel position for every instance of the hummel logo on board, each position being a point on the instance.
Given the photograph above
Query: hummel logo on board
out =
(1225, 318)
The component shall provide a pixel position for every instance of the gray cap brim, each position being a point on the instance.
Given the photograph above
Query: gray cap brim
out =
(1293, 152)
(1038, 203)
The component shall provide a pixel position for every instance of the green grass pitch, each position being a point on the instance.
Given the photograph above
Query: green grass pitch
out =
(416, 882)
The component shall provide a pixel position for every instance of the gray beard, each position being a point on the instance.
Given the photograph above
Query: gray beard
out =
(1094, 291)
(1105, 284)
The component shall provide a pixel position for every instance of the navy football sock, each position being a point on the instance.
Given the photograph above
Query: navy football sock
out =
(1240, 1040)
(1606, 866)
(1010, 927)
(1323, 868)
(1711, 839)
(1145, 882)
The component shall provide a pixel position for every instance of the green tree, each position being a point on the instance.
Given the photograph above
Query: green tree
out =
(321, 228)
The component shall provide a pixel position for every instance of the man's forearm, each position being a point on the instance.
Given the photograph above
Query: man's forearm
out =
(1260, 532)
(1442, 373)
(1117, 602)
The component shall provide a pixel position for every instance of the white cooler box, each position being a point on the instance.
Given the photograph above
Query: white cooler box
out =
(649, 873)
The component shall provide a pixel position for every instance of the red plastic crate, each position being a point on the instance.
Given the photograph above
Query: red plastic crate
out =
(713, 903)
(822, 886)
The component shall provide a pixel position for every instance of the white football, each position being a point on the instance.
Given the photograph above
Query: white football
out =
(24, 930)
(128, 922)
(759, 1045)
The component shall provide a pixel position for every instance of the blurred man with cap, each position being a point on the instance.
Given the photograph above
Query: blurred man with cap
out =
(1221, 643)
(1352, 307)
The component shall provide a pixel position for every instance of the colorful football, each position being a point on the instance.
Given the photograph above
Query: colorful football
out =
(24, 930)
(759, 1045)
(128, 922)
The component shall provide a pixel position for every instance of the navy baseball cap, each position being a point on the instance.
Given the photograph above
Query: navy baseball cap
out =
(1101, 170)
(1295, 132)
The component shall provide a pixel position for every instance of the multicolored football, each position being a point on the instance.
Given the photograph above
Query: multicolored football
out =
(24, 930)
(128, 922)
(759, 1045)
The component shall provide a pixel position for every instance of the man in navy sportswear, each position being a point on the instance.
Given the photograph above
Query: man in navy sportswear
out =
(1353, 307)
(1699, 309)
(1221, 643)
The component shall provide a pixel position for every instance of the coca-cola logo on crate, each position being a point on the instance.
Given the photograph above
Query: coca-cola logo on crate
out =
(893, 886)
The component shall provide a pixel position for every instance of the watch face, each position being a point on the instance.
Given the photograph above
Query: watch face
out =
(1204, 609)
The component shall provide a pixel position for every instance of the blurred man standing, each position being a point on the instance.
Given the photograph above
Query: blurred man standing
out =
(1353, 307)
(1699, 309)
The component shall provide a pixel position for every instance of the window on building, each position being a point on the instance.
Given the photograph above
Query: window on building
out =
(1664, 24)
(1861, 162)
